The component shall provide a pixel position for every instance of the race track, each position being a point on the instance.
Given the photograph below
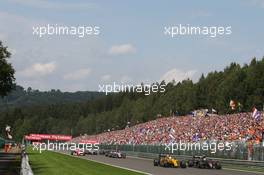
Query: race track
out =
(146, 166)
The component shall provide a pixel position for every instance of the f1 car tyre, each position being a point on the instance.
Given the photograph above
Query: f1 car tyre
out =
(218, 166)
(156, 163)
(190, 163)
(201, 165)
(183, 164)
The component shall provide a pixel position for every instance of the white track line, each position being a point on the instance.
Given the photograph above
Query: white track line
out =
(140, 158)
(129, 169)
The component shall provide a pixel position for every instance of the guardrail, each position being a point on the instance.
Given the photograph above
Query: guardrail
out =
(25, 167)
(151, 152)
(239, 151)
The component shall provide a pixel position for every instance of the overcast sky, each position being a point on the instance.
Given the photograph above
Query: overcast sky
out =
(131, 46)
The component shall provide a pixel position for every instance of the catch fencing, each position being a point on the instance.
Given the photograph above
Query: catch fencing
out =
(239, 151)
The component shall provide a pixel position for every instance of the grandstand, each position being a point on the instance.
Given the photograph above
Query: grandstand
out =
(233, 127)
(241, 130)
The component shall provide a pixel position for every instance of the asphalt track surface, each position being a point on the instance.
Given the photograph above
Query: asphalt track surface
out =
(146, 166)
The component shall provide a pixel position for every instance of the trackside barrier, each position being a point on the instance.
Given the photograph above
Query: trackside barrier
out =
(25, 167)
(239, 151)
(185, 157)
(152, 151)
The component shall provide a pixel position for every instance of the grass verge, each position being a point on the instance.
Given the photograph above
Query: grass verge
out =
(51, 163)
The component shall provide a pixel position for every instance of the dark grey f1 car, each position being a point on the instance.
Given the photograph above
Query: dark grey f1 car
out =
(204, 162)
(115, 154)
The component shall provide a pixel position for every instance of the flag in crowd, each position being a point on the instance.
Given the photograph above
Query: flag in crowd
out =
(256, 114)
(8, 132)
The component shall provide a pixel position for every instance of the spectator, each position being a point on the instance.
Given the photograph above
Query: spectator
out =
(234, 127)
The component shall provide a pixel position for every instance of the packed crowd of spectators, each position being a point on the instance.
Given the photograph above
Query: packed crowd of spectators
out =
(233, 127)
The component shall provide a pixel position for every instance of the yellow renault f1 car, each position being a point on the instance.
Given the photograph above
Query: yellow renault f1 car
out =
(169, 161)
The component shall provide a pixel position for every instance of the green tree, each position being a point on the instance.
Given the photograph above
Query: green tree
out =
(7, 78)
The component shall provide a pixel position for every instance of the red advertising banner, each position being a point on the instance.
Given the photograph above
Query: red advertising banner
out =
(32, 138)
(88, 141)
(48, 137)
